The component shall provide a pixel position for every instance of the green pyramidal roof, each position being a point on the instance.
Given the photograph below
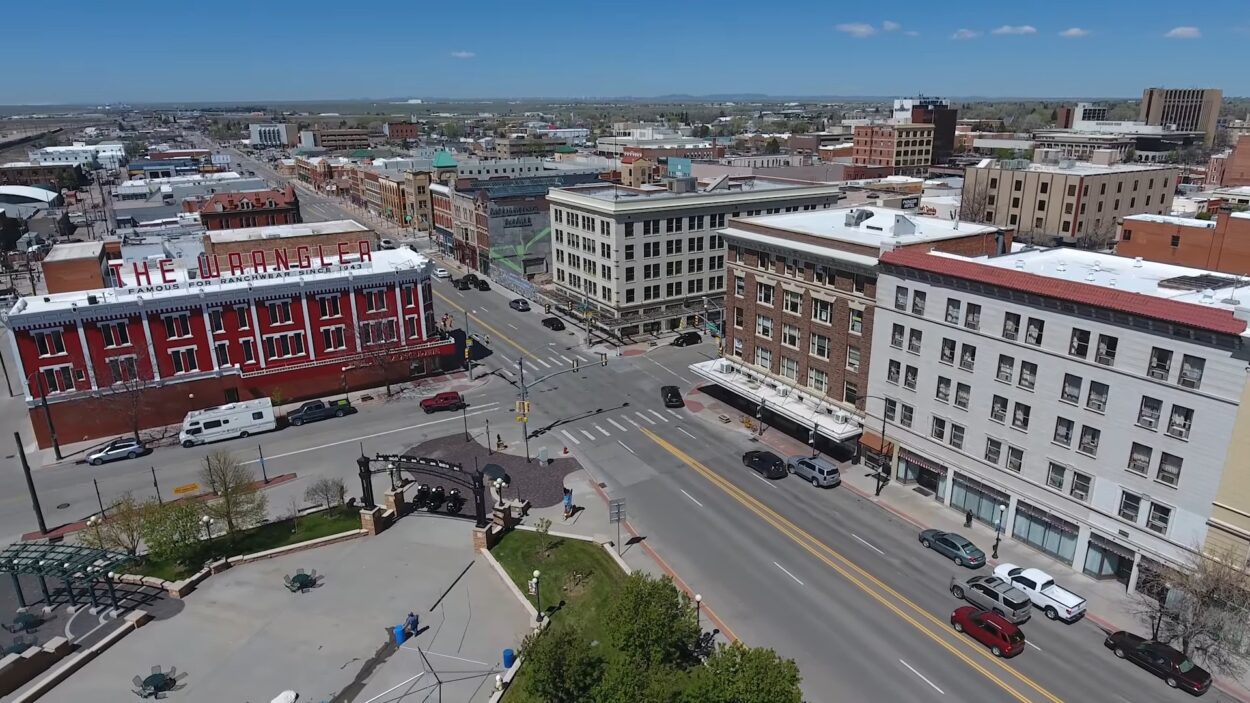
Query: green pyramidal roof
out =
(443, 159)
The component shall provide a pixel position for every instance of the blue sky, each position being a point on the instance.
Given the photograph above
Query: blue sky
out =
(142, 50)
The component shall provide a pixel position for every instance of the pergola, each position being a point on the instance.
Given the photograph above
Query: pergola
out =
(71, 563)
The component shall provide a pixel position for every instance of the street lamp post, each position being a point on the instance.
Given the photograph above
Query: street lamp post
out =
(207, 522)
(500, 484)
(698, 610)
(538, 596)
(998, 529)
(884, 470)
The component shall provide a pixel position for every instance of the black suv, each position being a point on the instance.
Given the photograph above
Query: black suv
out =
(553, 323)
(766, 463)
(685, 339)
(672, 397)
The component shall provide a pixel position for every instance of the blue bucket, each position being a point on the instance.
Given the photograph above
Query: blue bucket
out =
(509, 658)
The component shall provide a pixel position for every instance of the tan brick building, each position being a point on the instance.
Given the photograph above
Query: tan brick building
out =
(1190, 109)
(419, 208)
(906, 148)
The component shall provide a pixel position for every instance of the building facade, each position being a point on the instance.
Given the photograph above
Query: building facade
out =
(520, 146)
(336, 139)
(1219, 244)
(25, 173)
(109, 156)
(402, 131)
(1090, 408)
(420, 213)
(273, 134)
(935, 111)
(907, 149)
(257, 208)
(1189, 109)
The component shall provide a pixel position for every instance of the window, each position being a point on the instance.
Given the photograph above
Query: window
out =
(222, 350)
(818, 381)
(793, 302)
(673, 268)
(962, 392)
(1071, 390)
(998, 409)
(1090, 437)
(952, 310)
(993, 450)
(764, 326)
(1079, 346)
(891, 409)
(280, 312)
(1130, 507)
(957, 436)
(1020, 417)
(822, 310)
(631, 295)
(1160, 364)
(1080, 488)
(329, 306)
(943, 389)
(850, 392)
(58, 379)
(1011, 326)
(852, 358)
(764, 294)
(1055, 476)
(333, 338)
(1097, 398)
(789, 368)
(905, 415)
(917, 303)
(1149, 412)
(1139, 458)
(184, 360)
(1015, 458)
(177, 326)
(914, 338)
(900, 298)
(790, 335)
(1169, 469)
(819, 346)
(650, 250)
(857, 321)
(1063, 431)
(894, 371)
(896, 336)
(948, 351)
(1158, 518)
(967, 357)
(1006, 368)
(1180, 421)
(122, 369)
(972, 316)
(909, 378)
(116, 334)
(1106, 350)
(764, 357)
(938, 430)
(50, 343)
(1191, 371)
(1028, 375)
(1033, 331)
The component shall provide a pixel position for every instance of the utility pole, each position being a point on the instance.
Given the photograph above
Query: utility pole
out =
(525, 419)
(30, 485)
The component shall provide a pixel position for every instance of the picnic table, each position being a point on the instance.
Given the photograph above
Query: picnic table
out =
(301, 581)
(24, 622)
(155, 683)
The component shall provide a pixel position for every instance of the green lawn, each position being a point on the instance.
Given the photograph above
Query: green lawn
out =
(258, 539)
(520, 552)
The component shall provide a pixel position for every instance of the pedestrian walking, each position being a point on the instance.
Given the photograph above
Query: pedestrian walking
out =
(411, 625)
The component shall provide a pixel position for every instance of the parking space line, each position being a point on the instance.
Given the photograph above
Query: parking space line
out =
(645, 418)
(630, 420)
(514, 327)
(922, 677)
(861, 541)
(692, 498)
(617, 425)
(588, 435)
(785, 571)
(631, 451)
(761, 478)
(656, 414)
(605, 432)
(686, 433)
(1033, 645)
(572, 439)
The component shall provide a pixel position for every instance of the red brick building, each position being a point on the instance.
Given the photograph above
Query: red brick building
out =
(1222, 244)
(905, 148)
(163, 340)
(256, 208)
(1237, 166)
(402, 130)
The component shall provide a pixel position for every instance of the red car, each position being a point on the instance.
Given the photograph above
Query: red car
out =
(443, 401)
(990, 629)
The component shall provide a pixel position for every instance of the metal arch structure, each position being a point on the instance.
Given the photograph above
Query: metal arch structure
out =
(396, 464)
(71, 563)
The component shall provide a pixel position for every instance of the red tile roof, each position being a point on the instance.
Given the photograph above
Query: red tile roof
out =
(1186, 314)
(229, 202)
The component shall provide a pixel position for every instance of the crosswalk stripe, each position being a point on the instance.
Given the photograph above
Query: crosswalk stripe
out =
(588, 435)
(579, 358)
(605, 432)
(649, 420)
(617, 425)
(572, 439)
(672, 412)
(542, 362)
(554, 360)
(655, 413)
(565, 358)
(630, 420)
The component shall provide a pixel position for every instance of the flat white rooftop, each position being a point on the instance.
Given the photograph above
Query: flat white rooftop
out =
(875, 226)
(66, 251)
(304, 229)
(1083, 168)
(745, 184)
(1172, 220)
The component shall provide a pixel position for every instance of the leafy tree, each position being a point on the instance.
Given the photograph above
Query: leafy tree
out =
(653, 623)
(452, 130)
(561, 665)
(1205, 215)
(772, 146)
(239, 503)
(172, 532)
(326, 491)
(740, 674)
(123, 529)
(625, 682)
(799, 127)
(702, 131)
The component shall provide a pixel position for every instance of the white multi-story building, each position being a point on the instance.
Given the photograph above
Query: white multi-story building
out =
(649, 258)
(108, 156)
(272, 134)
(1090, 402)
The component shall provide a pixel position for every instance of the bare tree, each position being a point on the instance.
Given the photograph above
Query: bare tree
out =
(239, 502)
(1201, 608)
(380, 342)
(326, 491)
(973, 201)
(123, 530)
(1098, 236)
(129, 379)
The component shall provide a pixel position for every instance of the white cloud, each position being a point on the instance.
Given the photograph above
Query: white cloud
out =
(1074, 33)
(1015, 29)
(1184, 33)
(912, 33)
(965, 34)
(891, 26)
(462, 54)
(857, 29)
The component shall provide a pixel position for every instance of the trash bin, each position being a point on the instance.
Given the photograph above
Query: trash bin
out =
(509, 658)
(400, 635)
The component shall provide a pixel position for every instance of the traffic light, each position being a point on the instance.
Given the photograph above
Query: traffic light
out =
(603, 359)
(546, 308)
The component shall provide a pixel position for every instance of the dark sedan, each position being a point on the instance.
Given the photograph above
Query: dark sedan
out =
(769, 465)
(954, 546)
(1161, 660)
(672, 397)
(553, 323)
(519, 304)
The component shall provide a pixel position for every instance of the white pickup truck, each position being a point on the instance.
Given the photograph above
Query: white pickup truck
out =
(1057, 602)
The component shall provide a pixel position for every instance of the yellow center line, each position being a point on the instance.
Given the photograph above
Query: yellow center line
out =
(487, 327)
(858, 576)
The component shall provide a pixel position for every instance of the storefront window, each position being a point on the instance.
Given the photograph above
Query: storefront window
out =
(1106, 560)
(970, 494)
(913, 468)
(1045, 531)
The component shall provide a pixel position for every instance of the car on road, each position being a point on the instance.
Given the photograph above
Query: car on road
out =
(769, 465)
(990, 629)
(821, 473)
(462, 283)
(685, 339)
(553, 323)
(995, 595)
(954, 546)
(519, 304)
(315, 410)
(470, 278)
(482, 284)
(1056, 601)
(672, 397)
(387, 244)
(441, 272)
(450, 400)
(122, 448)
(1161, 660)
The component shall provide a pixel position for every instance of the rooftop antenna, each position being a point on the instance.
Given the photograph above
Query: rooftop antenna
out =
(1232, 297)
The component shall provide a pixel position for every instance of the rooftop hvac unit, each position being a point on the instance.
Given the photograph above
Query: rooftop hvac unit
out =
(856, 216)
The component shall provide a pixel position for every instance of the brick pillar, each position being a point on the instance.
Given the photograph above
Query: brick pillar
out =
(371, 520)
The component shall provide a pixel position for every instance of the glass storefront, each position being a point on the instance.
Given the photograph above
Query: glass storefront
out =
(1045, 531)
(983, 500)
(928, 474)
(1107, 559)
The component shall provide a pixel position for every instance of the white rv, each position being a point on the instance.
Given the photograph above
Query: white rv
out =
(227, 422)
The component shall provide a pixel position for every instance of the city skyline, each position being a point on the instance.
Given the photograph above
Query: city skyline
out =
(983, 51)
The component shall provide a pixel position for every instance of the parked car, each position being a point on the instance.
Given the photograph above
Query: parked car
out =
(957, 547)
(1161, 660)
(520, 304)
(821, 473)
(125, 448)
(995, 595)
(1057, 602)
(482, 284)
(766, 463)
(470, 278)
(672, 397)
(315, 410)
(443, 401)
(685, 339)
(461, 283)
(994, 631)
(441, 272)
(553, 323)
(387, 244)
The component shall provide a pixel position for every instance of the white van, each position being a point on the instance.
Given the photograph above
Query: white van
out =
(227, 422)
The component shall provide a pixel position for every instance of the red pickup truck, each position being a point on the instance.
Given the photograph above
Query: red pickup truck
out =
(443, 401)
